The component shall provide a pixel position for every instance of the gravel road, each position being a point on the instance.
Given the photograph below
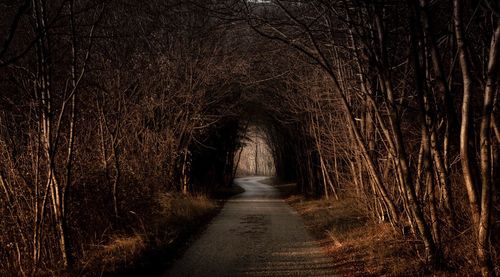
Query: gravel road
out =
(255, 234)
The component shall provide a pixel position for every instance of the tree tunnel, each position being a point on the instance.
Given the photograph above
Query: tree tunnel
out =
(258, 138)
(108, 106)
(252, 143)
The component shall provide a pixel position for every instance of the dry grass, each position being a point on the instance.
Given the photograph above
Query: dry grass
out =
(128, 245)
(119, 252)
(361, 247)
(357, 245)
(179, 209)
(173, 217)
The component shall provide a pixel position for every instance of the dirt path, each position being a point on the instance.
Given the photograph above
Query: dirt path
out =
(255, 234)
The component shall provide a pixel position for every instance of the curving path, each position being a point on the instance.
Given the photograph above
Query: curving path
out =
(255, 234)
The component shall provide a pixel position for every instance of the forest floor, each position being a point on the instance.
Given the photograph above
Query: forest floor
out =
(357, 246)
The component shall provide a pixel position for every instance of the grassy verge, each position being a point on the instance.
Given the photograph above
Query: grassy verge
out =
(176, 221)
(357, 245)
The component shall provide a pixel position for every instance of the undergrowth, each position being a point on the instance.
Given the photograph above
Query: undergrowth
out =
(357, 245)
(173, 216)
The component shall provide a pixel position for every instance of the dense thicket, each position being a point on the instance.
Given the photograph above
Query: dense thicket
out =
(106, 103)
(398, 106)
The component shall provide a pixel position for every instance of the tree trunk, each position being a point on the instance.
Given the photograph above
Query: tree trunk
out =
(486, 161)
(466, 102)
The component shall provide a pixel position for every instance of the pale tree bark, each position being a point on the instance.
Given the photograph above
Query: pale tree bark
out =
(480, 205)
(401, 159)
(53, 115)
(440, 160)
(486, 158)
(426, 139)
(49, 134)
(466, 103)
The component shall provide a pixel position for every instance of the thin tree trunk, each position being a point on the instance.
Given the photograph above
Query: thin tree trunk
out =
(486, 161)
(442, 86)
(466, 102)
